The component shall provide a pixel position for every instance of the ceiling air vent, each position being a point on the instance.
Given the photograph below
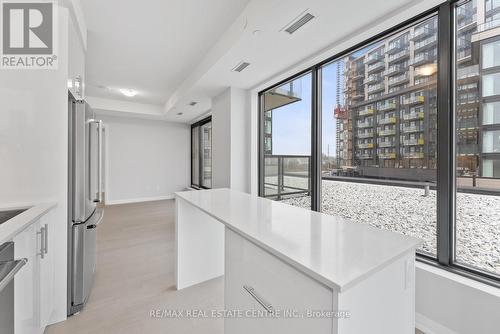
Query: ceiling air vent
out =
(192, 104)
(241, 66)
(298, 23)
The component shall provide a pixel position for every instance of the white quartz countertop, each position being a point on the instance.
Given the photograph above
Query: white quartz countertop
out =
(13, 226)
(334, 251)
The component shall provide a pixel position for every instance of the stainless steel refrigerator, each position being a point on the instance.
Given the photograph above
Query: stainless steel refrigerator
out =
(84, 195)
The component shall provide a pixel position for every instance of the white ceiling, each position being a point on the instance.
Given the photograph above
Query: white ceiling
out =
(193, 62)
(150, 45)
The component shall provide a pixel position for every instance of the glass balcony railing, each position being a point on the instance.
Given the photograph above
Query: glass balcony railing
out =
(364, 124)
(386, 106)
(286, 175)
(413, 155)
(373, 57)
(399, 56)
(413, 141)
(365, 145)
(372, 79)
(375, 88)
(366, 111)
(413, 115)
(387, 155)
(365, 156)
(386, 144)
(398, 80)
(376, 67)
(414, 99)
(389, 132)
(411, 129)
(365, 134)
(387, 120)
(425, 43)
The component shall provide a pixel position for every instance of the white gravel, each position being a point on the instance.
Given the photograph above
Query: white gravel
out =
(407, 211)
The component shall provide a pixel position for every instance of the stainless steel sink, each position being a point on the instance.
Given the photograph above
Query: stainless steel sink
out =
(6, 215)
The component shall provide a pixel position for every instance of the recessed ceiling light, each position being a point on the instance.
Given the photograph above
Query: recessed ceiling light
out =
(128, 92)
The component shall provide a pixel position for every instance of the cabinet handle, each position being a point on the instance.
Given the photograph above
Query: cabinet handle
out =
(46, 238)
(267, 306)
(42, 242)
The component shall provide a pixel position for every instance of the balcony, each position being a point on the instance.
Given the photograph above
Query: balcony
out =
(372, 79)
(358, 96)
(387, 155)
(365, 145)
(413, 155)
(413, 141)
(373, 57)
(423, 32)
(388, 132)
(399, 56)
(400, 79)
(469, 72)
(366, 111)
(414, 99)
(376, 88)
(413, 116)
(393, 70)
(387, 120)
(426, 43)
(395, 47)
(376, 67)
(365, 156)
(411, 129)
(422, 58)
(386, 144)
(386, 106)
(287, 175)
(364, 124)
(365, 134)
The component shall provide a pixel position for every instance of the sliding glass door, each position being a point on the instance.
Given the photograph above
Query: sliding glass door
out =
(201, 154)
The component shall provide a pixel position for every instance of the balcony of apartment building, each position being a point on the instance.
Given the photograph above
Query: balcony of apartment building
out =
(374, 56)
(387, 105)
(366, 111)
(468, 100)
(467, 149)
(397, 45)
(413, 141)
(374, 78)
(423, 58)
(363, 145)
(423, 31)
(468, 74)
(398, 80)
(387, 156)
(467, 124)
(367, 123)
(365, 134)
(413, 99)
(394, 70)
(413, 155)
(387, 120)
(367, 155)
(375, 88)
(464, 55)
(414, 114)
(375, 67)
(386, 143)
(287, 175)
(466, 18)
(426, 44)
(387, 132)
(411, 128)
(399, 56)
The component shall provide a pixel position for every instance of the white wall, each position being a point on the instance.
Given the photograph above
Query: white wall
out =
(146, 159)
(34, 147)
(230, 140)
(447, 303)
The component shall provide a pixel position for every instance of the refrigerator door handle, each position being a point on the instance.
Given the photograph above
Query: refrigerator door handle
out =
(99, 123)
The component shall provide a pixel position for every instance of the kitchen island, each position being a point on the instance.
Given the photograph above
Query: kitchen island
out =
(297, 271)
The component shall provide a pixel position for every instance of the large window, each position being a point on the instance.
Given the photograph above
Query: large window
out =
(286, 123)
(379, 126)
(477, 140)
(201, 154)
(380, 135)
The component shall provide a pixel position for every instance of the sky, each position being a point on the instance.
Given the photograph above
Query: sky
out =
(292, 123)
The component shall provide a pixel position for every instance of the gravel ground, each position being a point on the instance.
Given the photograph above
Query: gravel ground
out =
(407, 211)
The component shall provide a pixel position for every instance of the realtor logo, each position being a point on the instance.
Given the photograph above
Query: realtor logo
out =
(28, 34)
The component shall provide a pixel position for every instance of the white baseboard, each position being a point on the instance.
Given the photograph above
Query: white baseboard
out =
(139, 200)
(429, 326)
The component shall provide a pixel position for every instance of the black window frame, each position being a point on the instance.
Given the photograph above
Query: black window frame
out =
(198, 124)
(446, 158)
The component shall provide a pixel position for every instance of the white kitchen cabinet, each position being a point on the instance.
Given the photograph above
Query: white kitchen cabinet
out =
(34, 284)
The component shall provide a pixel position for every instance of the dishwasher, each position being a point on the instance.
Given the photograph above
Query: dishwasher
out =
(8, 269)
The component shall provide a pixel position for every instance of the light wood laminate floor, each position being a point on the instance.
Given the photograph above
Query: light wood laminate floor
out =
(135, 255)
